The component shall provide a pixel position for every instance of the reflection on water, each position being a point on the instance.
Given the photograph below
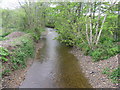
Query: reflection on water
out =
(54, 67)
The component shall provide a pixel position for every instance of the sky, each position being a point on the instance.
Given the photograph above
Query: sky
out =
(12, 4)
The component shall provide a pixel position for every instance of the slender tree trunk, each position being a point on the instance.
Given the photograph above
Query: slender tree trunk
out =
(101, 29)
(91, 23)
(87, 34)
(97, 26)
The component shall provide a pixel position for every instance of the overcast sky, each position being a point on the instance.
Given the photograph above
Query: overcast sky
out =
(11, 4)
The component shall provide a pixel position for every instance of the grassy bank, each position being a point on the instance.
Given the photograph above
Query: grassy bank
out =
(15, 57)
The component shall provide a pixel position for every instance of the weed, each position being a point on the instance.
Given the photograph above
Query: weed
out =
(3, 54)
(106, 71)
(6, 72)
(114, 75)
(104, 51)
(21, 53)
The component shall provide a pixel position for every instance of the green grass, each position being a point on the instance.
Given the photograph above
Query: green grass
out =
(114, 75)
(3, 38)
(106, 71)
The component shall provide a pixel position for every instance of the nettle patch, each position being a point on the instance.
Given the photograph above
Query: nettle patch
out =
(17, 57)
(4, 53)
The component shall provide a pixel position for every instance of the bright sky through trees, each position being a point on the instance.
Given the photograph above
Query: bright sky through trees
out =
(12, 4)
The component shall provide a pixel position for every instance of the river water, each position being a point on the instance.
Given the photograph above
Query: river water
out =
(54, 67)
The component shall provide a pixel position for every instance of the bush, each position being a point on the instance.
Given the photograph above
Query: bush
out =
(96, 54)
(36, 33)
(104, 51)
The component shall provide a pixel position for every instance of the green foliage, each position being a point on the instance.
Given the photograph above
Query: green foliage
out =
(36, 34)
(106, 71)
(20, 54)
(6, 72)
(104, 51)
(30, 19)
(1, 38)
(17, 58)
(70, 21)
(4, 53)
(114, 75)
(4, 34)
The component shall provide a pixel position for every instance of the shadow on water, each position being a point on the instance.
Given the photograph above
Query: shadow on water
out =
(54, 67)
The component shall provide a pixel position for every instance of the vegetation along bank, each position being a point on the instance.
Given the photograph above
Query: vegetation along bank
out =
(92, 27)
(18, 35)
(94, 30)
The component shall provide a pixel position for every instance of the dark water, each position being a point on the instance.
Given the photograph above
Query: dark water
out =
(54, 67)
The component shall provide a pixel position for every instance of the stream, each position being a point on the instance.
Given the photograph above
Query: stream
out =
(54, 67)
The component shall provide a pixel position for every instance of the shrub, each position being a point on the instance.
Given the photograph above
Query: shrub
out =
(104, 51)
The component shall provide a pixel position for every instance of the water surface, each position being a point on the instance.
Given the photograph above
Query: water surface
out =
(54, 67)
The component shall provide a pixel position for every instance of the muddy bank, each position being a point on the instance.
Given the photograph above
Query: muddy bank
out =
(93, 70)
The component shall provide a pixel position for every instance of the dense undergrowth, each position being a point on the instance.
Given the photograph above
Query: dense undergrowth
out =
(78, 25)
(22, 52)
(77, 29)
(104, 51)
(2, 35)
(27, 19)
(17, 57)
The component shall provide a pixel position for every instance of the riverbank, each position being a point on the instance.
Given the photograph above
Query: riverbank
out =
(54, 67)
(19, 48)
(14, 78)
(93, 70)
